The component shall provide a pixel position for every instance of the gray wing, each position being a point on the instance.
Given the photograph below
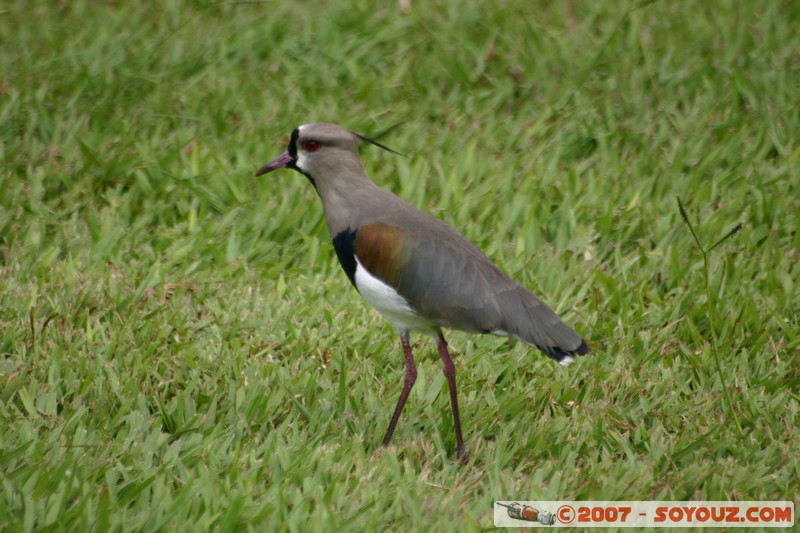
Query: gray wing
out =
(448, 280)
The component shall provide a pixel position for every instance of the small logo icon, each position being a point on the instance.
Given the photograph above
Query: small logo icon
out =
(529, 514)
(566, 514)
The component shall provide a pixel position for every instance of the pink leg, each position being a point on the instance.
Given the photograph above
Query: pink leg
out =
(450, 374)
(408, 382)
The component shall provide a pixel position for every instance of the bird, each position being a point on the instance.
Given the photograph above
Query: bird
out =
(422, 275)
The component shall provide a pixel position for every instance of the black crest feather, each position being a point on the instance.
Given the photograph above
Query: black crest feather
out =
(376, 143)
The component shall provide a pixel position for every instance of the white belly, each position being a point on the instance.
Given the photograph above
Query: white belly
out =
(389, 303)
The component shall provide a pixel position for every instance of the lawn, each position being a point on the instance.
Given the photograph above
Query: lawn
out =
(179, 349)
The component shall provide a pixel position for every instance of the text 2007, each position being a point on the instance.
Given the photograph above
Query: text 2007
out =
(603, 514)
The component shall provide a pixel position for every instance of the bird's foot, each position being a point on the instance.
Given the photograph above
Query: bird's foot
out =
(462, 455)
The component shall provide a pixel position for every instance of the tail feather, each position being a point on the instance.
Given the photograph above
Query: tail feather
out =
(528, 318)
(564, 358)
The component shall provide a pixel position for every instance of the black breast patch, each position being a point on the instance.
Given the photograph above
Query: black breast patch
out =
(345, 245)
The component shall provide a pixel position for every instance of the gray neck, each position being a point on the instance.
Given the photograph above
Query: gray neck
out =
(352, 201)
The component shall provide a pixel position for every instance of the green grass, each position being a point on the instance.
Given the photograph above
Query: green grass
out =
(180, 351)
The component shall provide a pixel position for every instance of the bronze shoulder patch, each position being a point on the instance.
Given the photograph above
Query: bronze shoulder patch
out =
(380, 249)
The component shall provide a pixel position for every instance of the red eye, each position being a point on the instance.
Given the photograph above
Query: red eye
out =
(311, 146)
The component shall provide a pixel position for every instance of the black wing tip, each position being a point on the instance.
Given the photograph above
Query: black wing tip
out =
(555, 352)
(583, 349)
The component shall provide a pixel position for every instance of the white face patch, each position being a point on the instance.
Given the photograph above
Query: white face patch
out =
(389, 303)
(301, 161)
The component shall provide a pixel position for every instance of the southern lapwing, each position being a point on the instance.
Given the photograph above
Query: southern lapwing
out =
(420, 273)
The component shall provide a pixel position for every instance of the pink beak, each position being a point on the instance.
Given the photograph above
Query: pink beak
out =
(283, 160)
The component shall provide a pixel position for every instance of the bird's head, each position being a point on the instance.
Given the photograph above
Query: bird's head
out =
(321, 151)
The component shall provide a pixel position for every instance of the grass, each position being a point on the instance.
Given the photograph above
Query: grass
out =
(179, 350)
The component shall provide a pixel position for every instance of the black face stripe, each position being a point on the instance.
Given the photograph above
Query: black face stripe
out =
(345, 245)
(292, 149)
